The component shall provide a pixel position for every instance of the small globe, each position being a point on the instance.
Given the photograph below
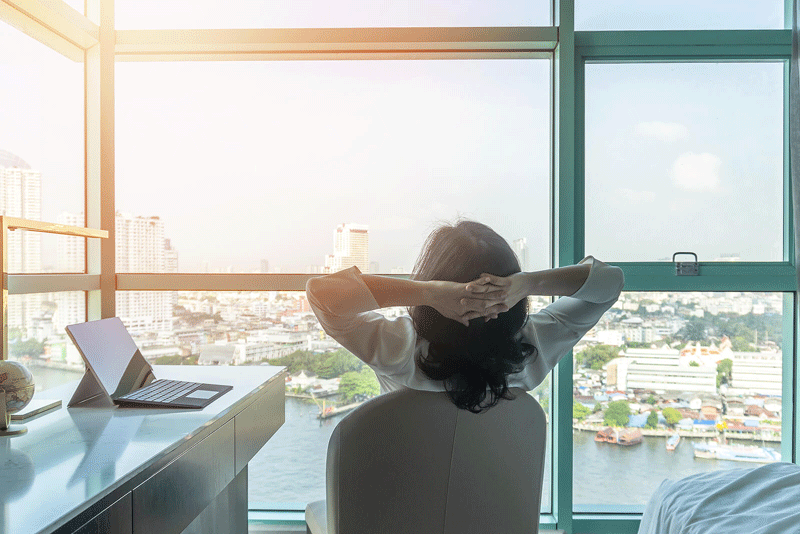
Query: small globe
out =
(18, 384)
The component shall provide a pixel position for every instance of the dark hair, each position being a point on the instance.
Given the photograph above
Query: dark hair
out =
(473, 361)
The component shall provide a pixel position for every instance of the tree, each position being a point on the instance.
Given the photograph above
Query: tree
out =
(597, 356)
(694, 364)
(177, 360)
(617, 413)
(672, 416)
(579, 411)
(32, 348)
(741, 344)
(725, 371)
(339, 363)
(15, 333)
(362, 383)
(324, 365)
(693, 330)
(299, 360)
(597, 408)
(652, 420)
(168, 360)
(651, 399)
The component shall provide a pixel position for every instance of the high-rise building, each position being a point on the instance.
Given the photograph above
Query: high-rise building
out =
(520, 247)
(170, 257)
(21, 196)
(142, 248)
(70, 305)
(350, 247)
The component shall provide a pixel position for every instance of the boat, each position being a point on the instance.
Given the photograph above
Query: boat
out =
(630, 436)
(672, 441)
(736, 453)
(607, 434)
(624, 437)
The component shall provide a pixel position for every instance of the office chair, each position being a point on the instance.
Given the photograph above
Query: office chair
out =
(411, 462)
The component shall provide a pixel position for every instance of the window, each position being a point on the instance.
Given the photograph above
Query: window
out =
(705, 366)
(656, 151)
(674, 149)
(256, 166)
(635, 144)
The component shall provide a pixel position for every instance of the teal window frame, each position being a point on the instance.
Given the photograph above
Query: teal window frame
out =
(576, 49)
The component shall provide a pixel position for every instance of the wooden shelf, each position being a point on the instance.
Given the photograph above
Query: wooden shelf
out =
(15, 223)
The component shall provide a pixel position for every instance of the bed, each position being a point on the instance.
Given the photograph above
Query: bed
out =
(761, 500)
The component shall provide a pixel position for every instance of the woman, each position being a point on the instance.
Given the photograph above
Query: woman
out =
(468, 331)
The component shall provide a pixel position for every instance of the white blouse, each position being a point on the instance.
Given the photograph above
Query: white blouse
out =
(344, 306)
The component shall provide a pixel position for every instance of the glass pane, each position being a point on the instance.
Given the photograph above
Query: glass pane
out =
(250, 328)
(704, 366)
(257, 167)
(678, 14)
(41, 146)
(684, 157)
(151, 14)
(37, 339)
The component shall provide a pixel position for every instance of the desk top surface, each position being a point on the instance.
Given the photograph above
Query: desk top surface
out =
(72, 457)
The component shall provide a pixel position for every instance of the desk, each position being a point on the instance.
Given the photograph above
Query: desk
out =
(136, 470)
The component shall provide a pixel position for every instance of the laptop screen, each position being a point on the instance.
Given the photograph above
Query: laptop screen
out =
(108, 349)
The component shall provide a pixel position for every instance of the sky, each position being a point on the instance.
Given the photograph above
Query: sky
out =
(261, 160)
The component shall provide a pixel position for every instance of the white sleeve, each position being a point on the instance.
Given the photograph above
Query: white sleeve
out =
(555, 329)
(345, 308)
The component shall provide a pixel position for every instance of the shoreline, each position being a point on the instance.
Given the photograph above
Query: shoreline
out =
(660, 432)
(61, 366)
(298, 395)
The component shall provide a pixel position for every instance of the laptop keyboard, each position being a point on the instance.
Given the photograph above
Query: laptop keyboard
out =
(161, 391)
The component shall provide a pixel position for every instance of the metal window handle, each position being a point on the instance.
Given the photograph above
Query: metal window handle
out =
(686, 268)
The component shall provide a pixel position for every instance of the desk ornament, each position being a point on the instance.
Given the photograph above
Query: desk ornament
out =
(16, 391)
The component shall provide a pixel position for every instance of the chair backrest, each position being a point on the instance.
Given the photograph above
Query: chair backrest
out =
(411, 462)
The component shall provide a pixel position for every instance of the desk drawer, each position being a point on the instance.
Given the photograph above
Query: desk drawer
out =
(116, 518)
(259, 421)
(171, 499)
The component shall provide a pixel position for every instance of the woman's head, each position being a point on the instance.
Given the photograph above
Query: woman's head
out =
(473, 361)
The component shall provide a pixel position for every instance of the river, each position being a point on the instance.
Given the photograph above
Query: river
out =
(291, 466)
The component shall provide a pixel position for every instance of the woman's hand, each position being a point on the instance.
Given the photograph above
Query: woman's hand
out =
(504, 291)
(455, 301)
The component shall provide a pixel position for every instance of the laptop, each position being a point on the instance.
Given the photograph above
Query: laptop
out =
(116, 370)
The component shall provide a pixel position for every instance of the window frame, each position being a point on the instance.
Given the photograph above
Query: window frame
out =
(91, 38)
(781, 276)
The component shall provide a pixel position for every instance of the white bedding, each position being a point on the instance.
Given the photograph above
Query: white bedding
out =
(762, 500)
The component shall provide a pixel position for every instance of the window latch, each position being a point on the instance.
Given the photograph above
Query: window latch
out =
(686, 268)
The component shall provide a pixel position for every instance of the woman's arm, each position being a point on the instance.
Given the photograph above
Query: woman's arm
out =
(451, 299)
